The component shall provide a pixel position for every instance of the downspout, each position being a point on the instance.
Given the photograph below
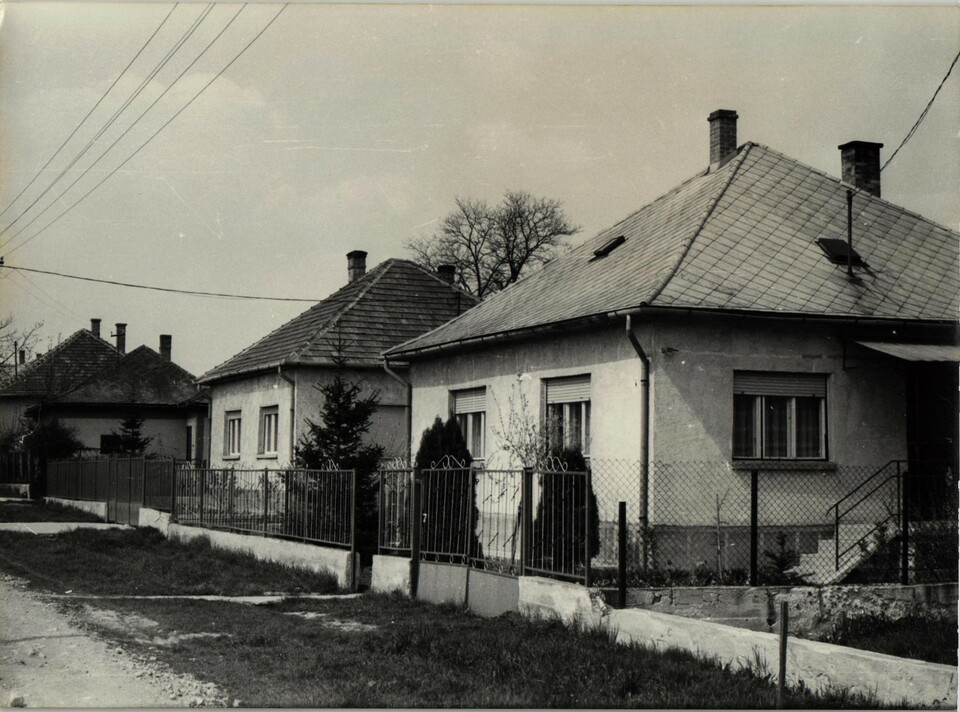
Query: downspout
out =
(644, 438)
(408, 436)
(293, 408)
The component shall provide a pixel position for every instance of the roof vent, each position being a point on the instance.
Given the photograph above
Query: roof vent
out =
(609, 246)
(838, 252)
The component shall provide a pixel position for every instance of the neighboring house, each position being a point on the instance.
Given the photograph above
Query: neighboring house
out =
(64, 367)
(721, 323)
(262, 397)
(142, 383)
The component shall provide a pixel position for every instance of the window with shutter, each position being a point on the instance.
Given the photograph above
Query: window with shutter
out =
(470, 410)
(568, 412)
(779, 415)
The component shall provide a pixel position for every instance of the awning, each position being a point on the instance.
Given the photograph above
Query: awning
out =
(916, 352)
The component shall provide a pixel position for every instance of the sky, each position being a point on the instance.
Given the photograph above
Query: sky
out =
(349, 127)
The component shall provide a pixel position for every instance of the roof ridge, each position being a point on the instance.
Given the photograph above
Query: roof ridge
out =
(32, 366)
(858, 191)
(735, 164)
(451, 285)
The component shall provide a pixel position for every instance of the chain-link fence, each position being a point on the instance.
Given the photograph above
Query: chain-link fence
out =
(702, 523)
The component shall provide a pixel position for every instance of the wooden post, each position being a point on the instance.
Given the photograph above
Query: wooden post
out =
(754, 525)
(782, 679)
(622, 555)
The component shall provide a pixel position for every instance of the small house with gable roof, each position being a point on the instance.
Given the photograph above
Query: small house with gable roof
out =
(261, 398)
(761, 316)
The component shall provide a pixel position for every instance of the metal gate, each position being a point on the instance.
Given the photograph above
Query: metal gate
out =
(126, 491)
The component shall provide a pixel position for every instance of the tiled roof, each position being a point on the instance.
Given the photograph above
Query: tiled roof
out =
(742, 237)
(63, 367)
(395, 301)
(141, 377)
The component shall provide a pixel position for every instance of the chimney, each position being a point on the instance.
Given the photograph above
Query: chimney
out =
(166, 345)
(447, 273)
(37, 356)
(95, 327)
(356, 265)
(121, 338)
(23, 356)
(860, 165)
(723, 136)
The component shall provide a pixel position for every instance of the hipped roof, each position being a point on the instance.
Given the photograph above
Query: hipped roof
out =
(738, 238)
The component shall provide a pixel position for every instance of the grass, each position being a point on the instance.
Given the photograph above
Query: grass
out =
(144, 562)
(30, 511)
(918, 637)
(379, 651)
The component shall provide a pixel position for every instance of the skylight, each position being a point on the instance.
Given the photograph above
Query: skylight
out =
(609, 246)
(838, 252)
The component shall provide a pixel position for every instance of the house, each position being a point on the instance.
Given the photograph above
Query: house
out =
(727, 327)
(262, 397)
(62, 368)
(143, 383)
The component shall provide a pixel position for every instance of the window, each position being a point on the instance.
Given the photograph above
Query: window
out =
(568, 413)
(231, 434)
(470, 410)
(779, 415)
(269, 419)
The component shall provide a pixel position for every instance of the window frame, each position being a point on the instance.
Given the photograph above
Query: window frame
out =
(230, 417)
(558, 415)
(467, 421)
(761, 445)
(269, 414)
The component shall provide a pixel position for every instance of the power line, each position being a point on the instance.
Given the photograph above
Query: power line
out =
(160, 289)
(83, 120)
(923, 114)
(154, 135)
(153, 73)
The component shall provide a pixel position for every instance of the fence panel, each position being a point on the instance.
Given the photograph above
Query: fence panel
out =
(15, 468)
(564, 526)
(498, 520)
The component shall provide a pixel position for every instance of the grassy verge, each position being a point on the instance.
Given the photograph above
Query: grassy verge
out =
(378, 651)
(29, 511)
(921, 638)
(145, 562)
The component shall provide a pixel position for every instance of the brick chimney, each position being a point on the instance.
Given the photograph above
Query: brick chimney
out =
(447, 273)
(860, 165)
(356, 265)
(121, 338)
(166, 346)
(723, 136)
(95, 327)
(23, 356)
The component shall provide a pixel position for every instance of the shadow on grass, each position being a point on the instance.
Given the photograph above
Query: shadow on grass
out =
(145, 562)
(31, 511)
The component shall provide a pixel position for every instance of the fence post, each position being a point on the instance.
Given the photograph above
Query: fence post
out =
(203, 482)
(415, 506)
(471, 522)
(266, 500)
(233, 496)
(905, 531)
(782, 679)
(526, 530)
(173, 495)
(587, 554)
(380, 479)
(754, 525)
(622, 555)
(354, 568)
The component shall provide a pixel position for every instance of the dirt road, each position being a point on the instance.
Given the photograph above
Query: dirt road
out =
(48, 660)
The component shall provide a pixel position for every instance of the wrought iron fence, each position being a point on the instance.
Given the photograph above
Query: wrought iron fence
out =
(310, 505)
(703, 523)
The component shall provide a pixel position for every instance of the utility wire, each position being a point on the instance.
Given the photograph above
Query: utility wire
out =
(154, 135)
(923, 114)
(160, 289)
(83, 120)
(153, 73)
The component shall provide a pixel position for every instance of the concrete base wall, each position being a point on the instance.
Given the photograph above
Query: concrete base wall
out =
(819, 666)
(390, 573)
(8, 489)
(491, 594)
(442, 583)
(97, 508)
(288, 553)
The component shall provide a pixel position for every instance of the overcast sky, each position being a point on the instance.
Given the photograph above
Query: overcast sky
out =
(355, 127)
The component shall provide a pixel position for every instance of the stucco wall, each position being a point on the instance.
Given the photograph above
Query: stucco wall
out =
(251, 393)
(167, 429)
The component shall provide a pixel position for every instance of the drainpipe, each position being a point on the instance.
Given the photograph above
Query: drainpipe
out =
(644, 436)
(293, 408)
(408, 407)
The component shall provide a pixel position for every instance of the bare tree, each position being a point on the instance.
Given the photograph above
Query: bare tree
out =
(13, 339)
(492, 246)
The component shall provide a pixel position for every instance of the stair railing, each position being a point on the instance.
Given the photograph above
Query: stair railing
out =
(838, 514)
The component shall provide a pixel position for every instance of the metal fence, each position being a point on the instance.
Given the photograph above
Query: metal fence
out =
(704, 523)
(16, 468)
(317, 506)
